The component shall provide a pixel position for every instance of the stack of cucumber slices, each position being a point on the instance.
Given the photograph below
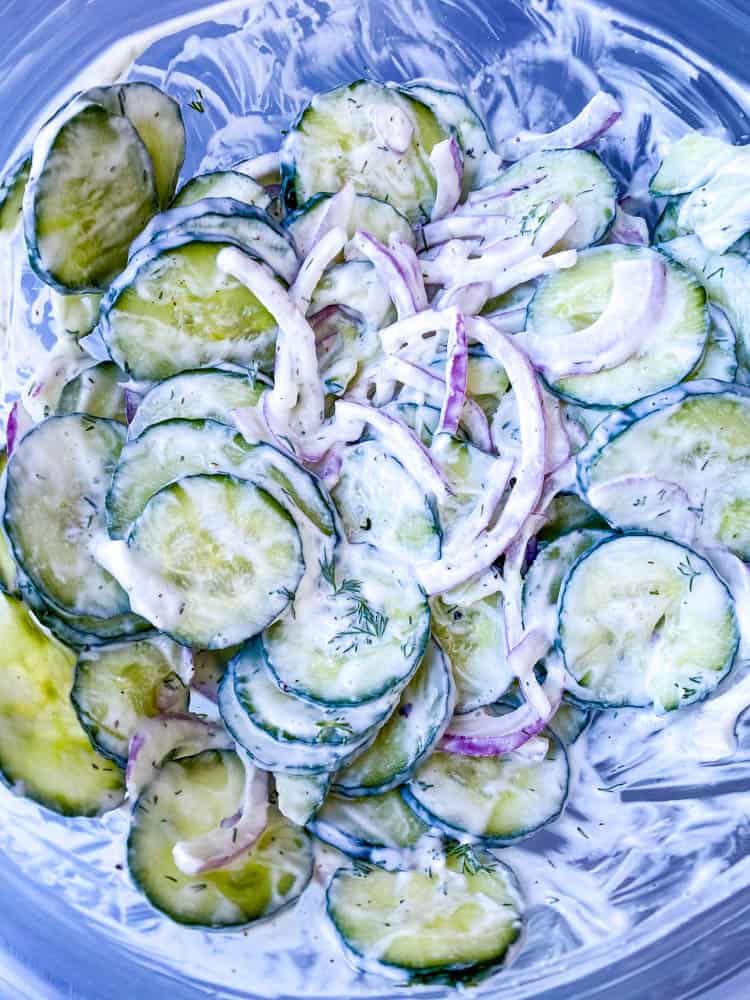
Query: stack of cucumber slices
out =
(361, 477)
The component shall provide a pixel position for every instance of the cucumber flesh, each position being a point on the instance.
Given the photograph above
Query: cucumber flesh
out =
(376, 828)
(43, 749)
(12, 188)
(211, 560)
(55, 529)
(460, 917)
(572, 300)
(496, 800)
(355, 285)
(222, 184)
(188, 798)
(645, 621)
(118, 685)
(690, 162)
(719, 359)
(300, 796)
(409, 736)
(97, 392)
(199, 395)
(359, 633)
(370, 214)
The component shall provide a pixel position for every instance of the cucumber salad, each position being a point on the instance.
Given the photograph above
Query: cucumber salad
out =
(360, 476)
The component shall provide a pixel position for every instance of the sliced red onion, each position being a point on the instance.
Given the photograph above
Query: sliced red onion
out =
(19, 423)
(155, 739)
(403, 443)
(499, 191)
(637, 301)
(412, 330)
(264, 165)
(132, 402)
(326, 249)
(394, 126)
(593, 121)
(42, 396)
(468, 530)
(509, 320)
(456, 376)
(402, 277)
(314, 447)
(469, 299)
(628, 229)
(522, 659)
(328, 469)
(554, 228)
(337, 214)
(208, 672)
(448, 572)
(448, 165)
(250, 422)
(474, 225)
(235, 835)
(558, 443)
(295, 405)
(483, 585)
(482, 734)
(533, 267)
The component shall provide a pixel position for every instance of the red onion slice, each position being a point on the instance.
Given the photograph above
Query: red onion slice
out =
(628, 229)
(155, 739)
(498, 190)
(312, 267)
(448, 572)
(456, 376)
(401, 274)
(410, 332)
(448, 166)
(636, 303)
(472, 225)
(235, 835)
(468, 530)
(19, 423)
(599, 115)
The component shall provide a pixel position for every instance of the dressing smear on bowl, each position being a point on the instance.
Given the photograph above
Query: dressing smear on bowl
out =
(656, 825)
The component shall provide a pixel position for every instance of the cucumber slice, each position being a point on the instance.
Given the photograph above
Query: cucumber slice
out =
(300, 795)
(8, 569)
(158, 120)
(645, 622)
(371, 828)
(370, 214)
(541, 181)
(117, 685)
(172, 449)
(43, 749)
(211, 561)
(222, 184)
(360, 633)
(12, 188)
(473, 637)
(223, 220)
(172, 310)
(190, 797)
(201, 395)
(690, 162)
(418, 417)
(719, 359)
(696, 437)
(97, 392)
(668, 227)
(76, 315)
(725, 278)
(497, 800)
(355, 285)
(343, 135)
(369, 481)
(571, 300)
(543, 580)
(411, 733)
(464, 916)
(91, 190)
(567, 512)
(455, 114)
(54, 511)
(324, 733)
(569, 723)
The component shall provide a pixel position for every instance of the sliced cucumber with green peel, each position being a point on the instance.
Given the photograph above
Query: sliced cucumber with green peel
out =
(567, 512)
(573, 299)
(570, 722)
(207, 394)
(158, 120)
(222, 184)
(375, 137)
(76, 315)
(172, 449)
(645, 622)
(188, 798)
(301, 795)
(474, 640)
(409, 735)
(496, 800)
(461, 917)
(57, 479)
(172, 310)
(211, 561)
(223, 220)
(379, 502)
(668, 227)
(360, 633)
(43, 749)
(98, 392)
(117, 685)
(543, 580)
(12, 188)
(355, 284)
(371, 828)
(8, 568)
(90, 192)
(695, 437)
(370, 214)
(530, 189)
(690, 163)
(719, 359)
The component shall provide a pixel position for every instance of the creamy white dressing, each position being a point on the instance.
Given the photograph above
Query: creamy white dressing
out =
(652, 832)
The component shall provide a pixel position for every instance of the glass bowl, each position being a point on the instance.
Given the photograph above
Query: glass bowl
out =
(70, 924)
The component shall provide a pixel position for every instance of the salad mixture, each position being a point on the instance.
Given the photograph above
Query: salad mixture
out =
(361, 475)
